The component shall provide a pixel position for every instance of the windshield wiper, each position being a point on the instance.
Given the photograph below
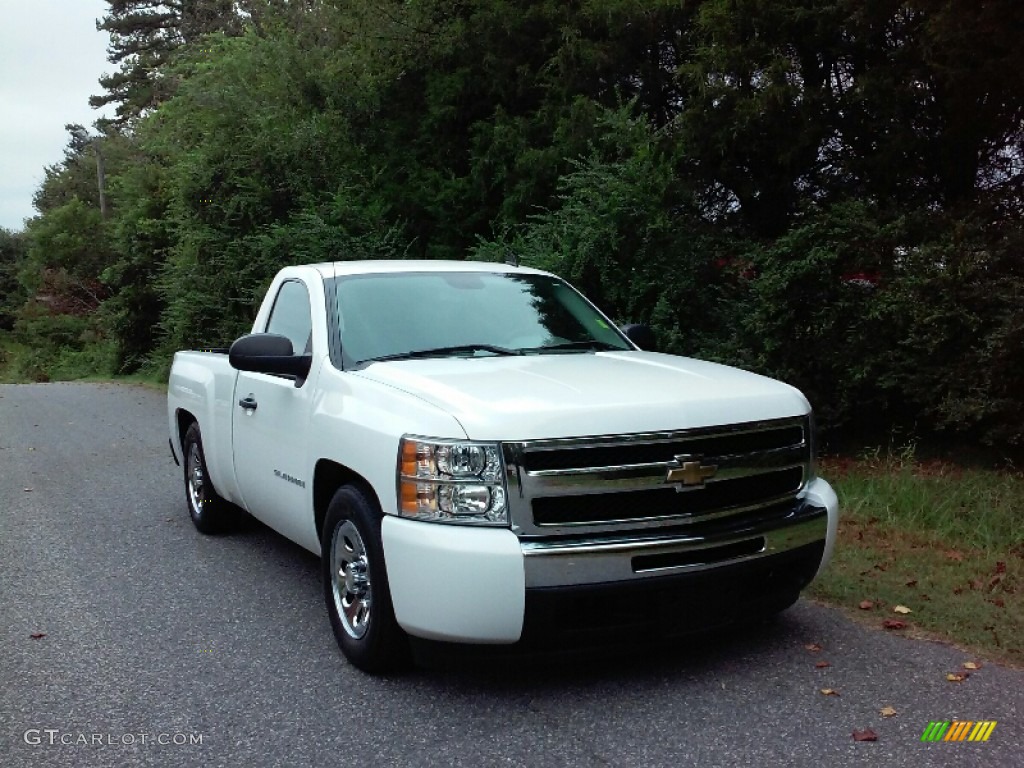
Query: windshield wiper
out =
(442, 351)
(568, 346)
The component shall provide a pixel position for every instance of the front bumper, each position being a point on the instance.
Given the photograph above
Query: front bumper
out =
(484, 585)
(559, 617)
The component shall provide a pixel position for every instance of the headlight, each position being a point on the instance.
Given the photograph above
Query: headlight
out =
(451, 481)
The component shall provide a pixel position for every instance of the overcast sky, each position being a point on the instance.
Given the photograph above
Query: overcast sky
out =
(51, 57)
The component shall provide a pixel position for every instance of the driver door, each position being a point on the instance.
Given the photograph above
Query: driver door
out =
(270, 418)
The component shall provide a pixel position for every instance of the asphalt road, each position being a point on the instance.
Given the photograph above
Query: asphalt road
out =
(155, 633)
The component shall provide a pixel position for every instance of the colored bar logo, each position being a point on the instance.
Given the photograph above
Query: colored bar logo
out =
(958, 730)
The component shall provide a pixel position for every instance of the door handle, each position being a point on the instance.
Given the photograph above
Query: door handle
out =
(249, 403)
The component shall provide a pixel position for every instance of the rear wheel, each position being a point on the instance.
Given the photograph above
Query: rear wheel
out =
(209, 512)
(356, 587)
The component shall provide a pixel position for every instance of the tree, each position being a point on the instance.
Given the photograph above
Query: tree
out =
(144, 35)
(829, 191)
(12, 296)
(929, 110)
(69, 239)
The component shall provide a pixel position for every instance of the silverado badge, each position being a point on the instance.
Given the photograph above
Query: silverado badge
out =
(687, 471)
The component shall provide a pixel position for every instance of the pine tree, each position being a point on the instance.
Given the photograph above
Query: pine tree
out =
(144, 35)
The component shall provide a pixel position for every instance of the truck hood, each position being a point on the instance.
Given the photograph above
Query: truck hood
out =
(536, 397)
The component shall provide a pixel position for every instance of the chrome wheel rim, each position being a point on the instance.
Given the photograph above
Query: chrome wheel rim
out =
(350, 579)
(196, 480)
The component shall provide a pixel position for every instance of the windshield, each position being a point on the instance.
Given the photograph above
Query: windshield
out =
(435, 314)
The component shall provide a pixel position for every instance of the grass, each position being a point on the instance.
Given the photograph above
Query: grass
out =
(21, 364)
(944, 541)
(12, 355)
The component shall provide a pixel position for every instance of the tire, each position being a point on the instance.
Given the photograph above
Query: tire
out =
(209, 512)
(355, 582)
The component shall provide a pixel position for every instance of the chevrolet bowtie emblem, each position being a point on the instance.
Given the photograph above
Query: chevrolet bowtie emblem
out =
(688, 472)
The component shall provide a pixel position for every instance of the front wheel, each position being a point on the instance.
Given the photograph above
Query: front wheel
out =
(356, 587)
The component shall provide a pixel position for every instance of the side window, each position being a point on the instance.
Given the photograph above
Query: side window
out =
(291, 316)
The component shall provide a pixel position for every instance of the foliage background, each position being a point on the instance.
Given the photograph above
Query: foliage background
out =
(826, 191)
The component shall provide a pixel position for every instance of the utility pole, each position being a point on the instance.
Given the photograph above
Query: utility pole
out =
(101, 179)
(81, 141)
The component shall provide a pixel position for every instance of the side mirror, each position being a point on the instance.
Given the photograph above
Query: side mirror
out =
(269, 353)
(641, 335)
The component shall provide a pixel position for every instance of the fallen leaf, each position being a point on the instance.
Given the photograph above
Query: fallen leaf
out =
(866, 605)
(995, 581)
(976, 584)
(813, 647)
(829, 692)
(866, 735)
(1000, 567)
(902, 609)
(956, 678)
(894, 624)
(911, 583)
(887, 711)
(972, 665)
(37, 635)
(958, 590)
(952, 554)
(822, 664)
(997, 602)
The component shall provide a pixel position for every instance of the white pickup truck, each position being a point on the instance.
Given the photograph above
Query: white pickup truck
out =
(479, 455)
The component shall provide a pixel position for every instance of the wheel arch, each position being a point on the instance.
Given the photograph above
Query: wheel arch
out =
(183, 419)
(328, 477)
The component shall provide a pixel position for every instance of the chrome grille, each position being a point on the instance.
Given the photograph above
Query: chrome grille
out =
(540, 459)
(616, 483)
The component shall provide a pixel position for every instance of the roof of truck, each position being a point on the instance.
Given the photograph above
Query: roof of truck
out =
(334, 268)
